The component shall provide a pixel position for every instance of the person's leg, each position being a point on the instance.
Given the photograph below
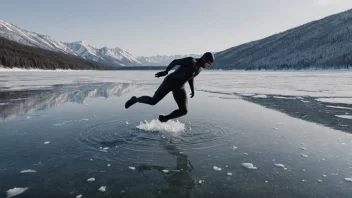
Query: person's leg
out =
(159, 94)
(180, 97)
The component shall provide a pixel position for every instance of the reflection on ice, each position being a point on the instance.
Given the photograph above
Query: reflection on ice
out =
(17, 103)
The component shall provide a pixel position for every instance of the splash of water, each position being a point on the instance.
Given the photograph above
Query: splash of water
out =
(156, 125)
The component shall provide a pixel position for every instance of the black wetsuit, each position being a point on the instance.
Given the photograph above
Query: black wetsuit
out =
(175, 82)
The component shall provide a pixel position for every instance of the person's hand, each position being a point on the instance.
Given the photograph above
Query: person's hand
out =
(162, 73)
(192, 94)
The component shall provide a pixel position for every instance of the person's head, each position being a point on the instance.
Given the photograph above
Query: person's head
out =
(208, 59)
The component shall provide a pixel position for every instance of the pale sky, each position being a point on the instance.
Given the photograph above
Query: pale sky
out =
(165, 27)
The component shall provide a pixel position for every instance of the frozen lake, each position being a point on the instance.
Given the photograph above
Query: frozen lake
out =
(247, 134)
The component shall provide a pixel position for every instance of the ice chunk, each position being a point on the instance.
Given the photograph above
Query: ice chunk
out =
(304, 170)
(91, 159)
(249, 166)
(226, 166)
(319, 180)
(132, 168)
(15, 191)
(279, 165)
(106, 148)
(102, 189)
(336, 100)
(275, 128)
(234, 147)
(47, 142)
(165, 171)
(260, 96)
(303, 155)
(79, 196)
(348, 179)
(29, 171)
(156, 125)
(229, 174)
(324, 175)
(303, 180)
(344, 116)
(126, 122)
(245, 153)
(91, 179)
(109, 164)
(201, 181)
(302, 148)
(338, 107)
(266, 182)
(215, 168)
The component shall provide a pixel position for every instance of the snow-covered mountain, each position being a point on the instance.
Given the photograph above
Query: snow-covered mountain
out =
(25, 37)
(113, 57)
(162, 60)
(322, 43)
(106, 55)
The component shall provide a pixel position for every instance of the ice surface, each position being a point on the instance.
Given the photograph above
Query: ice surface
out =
(15, 191)
(156, 125)
(344, 116)
(249, 166)
(29, 171)
(215, 168)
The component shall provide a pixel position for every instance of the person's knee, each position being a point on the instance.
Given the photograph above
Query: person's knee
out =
(154, 102)
(184, 111)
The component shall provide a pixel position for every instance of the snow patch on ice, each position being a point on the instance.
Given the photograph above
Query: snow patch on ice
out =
(156, 125)
(28, 171)
(348, 179)
(91, 179)
(249, 166)
(279, 165)
(260, 96)
(215, 168)
(304, 155)
(335, 100)
(15, 191)
(344, 116)
(102, 189)
(338, 107)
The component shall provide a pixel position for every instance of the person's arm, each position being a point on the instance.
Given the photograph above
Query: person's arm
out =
(191, 85)
(183, 61)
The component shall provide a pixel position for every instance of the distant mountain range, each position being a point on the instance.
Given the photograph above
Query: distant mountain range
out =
(325, 43)
(113, 57)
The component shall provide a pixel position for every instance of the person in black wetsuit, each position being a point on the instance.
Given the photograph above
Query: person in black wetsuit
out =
(189, 68)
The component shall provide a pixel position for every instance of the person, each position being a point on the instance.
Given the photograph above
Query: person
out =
(189, 68)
